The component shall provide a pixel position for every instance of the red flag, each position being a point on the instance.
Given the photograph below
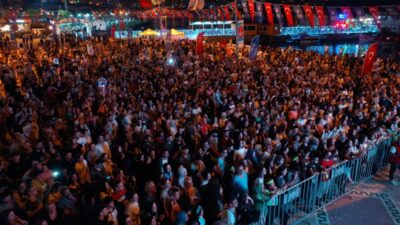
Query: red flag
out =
(375, 14)
(222, 44)
(251, 9)
(320, 15)
(369, 59)
(199, 43)
(220, 14)
(347, 11)
(146, 4)
(227, 13)
(309, 14)
(288, 13)
(270, 16)
(239, 16)
(116, 12)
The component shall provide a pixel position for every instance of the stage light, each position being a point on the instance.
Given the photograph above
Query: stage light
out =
(56, 174)
(342, 16)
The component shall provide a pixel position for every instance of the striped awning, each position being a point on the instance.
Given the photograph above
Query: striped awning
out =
(3, 20)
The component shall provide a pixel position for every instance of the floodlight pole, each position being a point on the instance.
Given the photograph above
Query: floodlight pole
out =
(66, 5)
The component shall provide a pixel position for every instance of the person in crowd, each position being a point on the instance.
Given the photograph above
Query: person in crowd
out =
(120, 137)
(394, 160)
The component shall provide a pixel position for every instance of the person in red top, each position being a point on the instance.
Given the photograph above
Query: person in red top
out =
(394, 160)
(326, 164)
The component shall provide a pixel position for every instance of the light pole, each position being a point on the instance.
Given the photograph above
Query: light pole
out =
(66, 5)
(159, 2)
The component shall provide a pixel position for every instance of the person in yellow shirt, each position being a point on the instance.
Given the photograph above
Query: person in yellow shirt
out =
(82, 170)
(132, 210)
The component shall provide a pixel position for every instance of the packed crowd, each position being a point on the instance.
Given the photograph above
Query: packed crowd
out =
(111, 132)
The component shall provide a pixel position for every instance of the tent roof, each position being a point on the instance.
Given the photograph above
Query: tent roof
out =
(149, 32)
(176, 32)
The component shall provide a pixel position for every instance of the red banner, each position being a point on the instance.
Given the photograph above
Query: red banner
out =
(212, 14)
(199, 43)
(146, 4)
(309, 14)
(347, 11)
(288, 13)
(239, 16)
(251, 10)
(220, 14)
(369, 59)
(375, 14)
(227, 13)
(320, 15)
(270, 16)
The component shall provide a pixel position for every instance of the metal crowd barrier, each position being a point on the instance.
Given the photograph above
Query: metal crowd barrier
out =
(298, 202)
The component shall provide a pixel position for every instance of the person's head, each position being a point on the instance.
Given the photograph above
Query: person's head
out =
(22, 187)
(174, 193)
(52, 208)
(188, 182)
(167, 168)
(181, 218)
(271, 185)
(81, 158)
(154, 208)
(233, 201)
(239, 169)
(33, 191)
(109, 204)
(199, 211)
(12, 218)
(263, 172)
(120, 187)
(135, 198)
(68, 156)
(150, 188)
(165, 154)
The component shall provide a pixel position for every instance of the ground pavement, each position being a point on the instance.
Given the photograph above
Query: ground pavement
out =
(375, 202)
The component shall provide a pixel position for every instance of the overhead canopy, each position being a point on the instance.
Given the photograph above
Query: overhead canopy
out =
(177, 32)
(149, 32)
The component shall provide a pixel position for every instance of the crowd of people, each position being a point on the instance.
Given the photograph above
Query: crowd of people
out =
(110, 132)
